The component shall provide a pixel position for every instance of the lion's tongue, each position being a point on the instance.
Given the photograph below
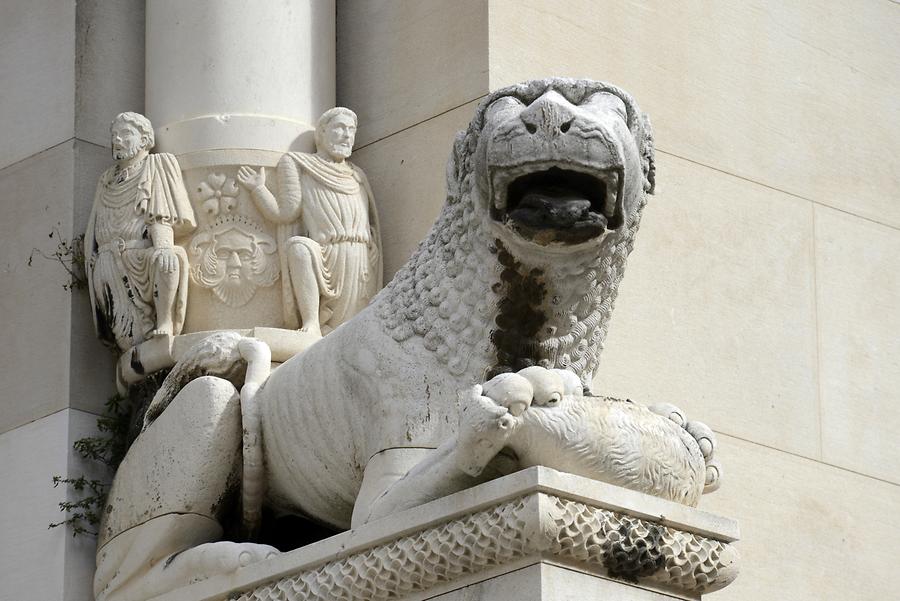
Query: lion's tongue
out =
(551, 207)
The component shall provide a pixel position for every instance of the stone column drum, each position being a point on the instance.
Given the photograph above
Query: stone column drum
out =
(232, 83)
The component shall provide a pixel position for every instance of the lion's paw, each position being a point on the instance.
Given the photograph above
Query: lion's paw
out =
(491, 413)
(211, 559)
(706, 441)
(486, 422)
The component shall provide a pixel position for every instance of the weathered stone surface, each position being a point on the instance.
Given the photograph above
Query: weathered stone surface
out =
(109, 65)
(37, 76)
(193, 464)
(797, 99)
(830, 527)
(34, 304)
(223, 76)
(540, 582)
(37, 562)
(407, 173)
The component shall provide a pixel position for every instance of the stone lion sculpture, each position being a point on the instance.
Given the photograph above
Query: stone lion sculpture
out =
(474, 361)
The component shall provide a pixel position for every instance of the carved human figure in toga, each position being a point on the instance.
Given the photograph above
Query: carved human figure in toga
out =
(137, 276)
(328, 234)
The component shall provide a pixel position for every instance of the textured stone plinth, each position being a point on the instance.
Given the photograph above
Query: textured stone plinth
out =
(536, 534)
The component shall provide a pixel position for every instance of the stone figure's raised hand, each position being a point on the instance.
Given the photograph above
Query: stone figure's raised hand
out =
(166, 260)
(250, 179)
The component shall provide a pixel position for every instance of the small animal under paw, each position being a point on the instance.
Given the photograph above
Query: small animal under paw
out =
(542, 416)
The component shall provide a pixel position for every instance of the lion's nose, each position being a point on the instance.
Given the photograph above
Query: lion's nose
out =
(551, 115)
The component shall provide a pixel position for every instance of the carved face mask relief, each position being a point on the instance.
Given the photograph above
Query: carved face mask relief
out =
(233, 259)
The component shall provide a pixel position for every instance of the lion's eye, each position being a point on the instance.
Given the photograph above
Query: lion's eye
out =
(607, 102)
(502, 105)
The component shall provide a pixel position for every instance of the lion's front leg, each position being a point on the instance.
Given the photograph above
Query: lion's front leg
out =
(489, 416)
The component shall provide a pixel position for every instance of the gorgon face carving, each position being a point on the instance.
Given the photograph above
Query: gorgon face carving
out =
(233, 259)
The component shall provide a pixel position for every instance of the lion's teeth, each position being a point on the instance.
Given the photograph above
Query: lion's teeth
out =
(612, 186)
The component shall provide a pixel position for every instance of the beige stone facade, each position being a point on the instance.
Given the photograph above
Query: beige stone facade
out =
(763, 295)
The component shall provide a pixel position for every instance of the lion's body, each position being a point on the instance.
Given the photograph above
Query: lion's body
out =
(463, 308)
(326, 412)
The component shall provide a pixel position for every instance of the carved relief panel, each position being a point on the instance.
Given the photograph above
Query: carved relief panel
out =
(235, 270)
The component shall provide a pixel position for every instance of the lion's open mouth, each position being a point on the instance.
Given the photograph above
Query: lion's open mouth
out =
(562, 205)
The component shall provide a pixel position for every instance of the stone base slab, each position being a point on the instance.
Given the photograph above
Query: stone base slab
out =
(535, 534)
(548, 582)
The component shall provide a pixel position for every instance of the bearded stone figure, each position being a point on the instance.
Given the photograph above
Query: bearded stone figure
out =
(328, 227)
(137, 276)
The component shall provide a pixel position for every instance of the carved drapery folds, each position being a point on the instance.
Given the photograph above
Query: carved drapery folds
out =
(175, 249)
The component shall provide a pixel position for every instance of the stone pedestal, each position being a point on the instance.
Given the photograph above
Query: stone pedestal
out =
(534, 535)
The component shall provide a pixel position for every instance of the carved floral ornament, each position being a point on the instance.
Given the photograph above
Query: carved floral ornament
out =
(218, 194)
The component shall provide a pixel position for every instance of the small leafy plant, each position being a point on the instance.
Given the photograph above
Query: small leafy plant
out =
(107, 448)
(69, 254)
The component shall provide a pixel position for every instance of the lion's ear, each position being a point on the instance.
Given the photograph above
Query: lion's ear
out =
(456, 165)
(648, 161)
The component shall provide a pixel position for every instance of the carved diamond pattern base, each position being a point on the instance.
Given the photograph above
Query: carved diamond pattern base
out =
(538, 524)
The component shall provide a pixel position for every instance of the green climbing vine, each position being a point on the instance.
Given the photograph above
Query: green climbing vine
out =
(108, 448)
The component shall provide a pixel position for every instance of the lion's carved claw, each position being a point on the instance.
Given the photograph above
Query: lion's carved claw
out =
(705, 437)
(485, 425)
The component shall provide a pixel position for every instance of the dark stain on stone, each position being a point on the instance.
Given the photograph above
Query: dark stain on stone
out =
(520, 317)
(631, 555)
(136, 364)
(139, 397)
(171, 558)
(105, 316)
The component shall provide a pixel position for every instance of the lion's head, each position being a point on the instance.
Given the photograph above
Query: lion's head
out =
(564, 168)
(544, 194)
(557, 163)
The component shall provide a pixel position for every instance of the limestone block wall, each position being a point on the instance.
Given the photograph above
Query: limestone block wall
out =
(66, 69)
(763, 295)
